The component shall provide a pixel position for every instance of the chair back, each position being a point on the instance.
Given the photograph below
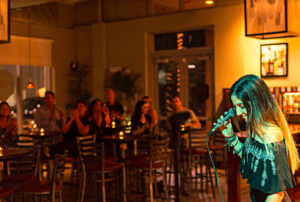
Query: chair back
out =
(157, 149)
(27, 164)
(58, 172)
(197, 139)
(89, 153)
(218, 138)
(25, 142)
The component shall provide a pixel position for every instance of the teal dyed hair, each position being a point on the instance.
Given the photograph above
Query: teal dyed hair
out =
(259, 102)
(263, 111)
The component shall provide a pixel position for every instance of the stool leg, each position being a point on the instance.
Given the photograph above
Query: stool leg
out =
(165, 183)
(210, 176)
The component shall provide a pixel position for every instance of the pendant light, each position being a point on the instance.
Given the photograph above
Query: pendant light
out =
(30, 84)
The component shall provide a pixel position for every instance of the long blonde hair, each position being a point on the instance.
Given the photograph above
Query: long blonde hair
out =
(263, 111)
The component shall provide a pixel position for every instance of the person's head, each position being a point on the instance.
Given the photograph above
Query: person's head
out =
(81, 107)
(95, 106)
(176, 102)
(110, 94)
(49, 98)
(4, 109)
(147, 99)
(141, 107)
(262, 111)
(253, 101)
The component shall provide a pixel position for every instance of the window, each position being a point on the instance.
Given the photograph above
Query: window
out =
(31, 98)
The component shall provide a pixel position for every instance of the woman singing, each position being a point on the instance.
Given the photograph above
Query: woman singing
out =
(269, 157)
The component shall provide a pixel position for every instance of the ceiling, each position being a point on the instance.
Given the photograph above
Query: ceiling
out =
(25, 3)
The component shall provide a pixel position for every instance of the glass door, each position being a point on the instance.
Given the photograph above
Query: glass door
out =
(188, 77)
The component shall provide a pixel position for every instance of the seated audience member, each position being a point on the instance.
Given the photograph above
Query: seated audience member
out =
(8, 126)
(151, 111)
(99, 118)
(116, 110)
(76, 125)
(141, 121)
(177, 108)
(49, 116)
(192, 121)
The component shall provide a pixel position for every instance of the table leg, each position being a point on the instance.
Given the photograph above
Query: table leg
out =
(234, 190)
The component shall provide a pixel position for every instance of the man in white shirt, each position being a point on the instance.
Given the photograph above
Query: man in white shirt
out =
(48, 116)
(177, 108)
(192, 121)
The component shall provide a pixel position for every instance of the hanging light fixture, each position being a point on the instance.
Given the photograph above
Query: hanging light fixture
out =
(30, 84)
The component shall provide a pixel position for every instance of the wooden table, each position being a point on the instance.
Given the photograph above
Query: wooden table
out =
(233, 165)
(118, 139)
(41, 135)
(12, 153)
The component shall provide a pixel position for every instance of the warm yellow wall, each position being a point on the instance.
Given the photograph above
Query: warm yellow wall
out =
(235, 54)
(126, 40)
(62, 54)
(99, 59)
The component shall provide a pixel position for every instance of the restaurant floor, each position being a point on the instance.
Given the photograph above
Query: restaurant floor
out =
(70, 192)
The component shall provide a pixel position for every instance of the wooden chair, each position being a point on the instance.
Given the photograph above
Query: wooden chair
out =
(5, 192)
(75, 163)
(193, 157)
(40, 189)
(147, 167)
(93, 162)
(20, 170)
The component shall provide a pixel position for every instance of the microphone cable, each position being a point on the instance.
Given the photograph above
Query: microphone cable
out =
(216, 174)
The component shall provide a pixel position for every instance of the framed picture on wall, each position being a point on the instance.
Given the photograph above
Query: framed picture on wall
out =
(265, 17)
(4, 21)
(274, 60)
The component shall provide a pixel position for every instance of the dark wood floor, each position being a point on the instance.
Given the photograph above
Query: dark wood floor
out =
(70, 192)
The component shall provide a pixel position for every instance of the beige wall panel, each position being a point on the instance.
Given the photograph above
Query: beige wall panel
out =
(99, 60)
(17, 52)
(235, 54)
(63, 55)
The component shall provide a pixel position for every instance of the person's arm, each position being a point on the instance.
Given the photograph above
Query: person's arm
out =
(67, 126)
(227, 131)
(61, 118)
(134, 127)
(14, 128)
(195, 122)
(154, 118)
(98, 119)
(83, 129)
(140, 130)
(277, 197)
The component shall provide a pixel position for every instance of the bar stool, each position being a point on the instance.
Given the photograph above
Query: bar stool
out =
(216, 146)
(196, 156)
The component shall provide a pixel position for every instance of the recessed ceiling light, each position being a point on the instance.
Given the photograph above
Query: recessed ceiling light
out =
(209, 1)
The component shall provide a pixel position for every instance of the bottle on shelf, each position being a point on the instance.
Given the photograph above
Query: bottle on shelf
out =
(113, 123)
(275, 64)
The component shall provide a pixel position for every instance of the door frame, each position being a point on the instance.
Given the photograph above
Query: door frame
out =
(203, 53)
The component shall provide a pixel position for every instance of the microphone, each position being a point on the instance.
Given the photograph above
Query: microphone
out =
(226, 118)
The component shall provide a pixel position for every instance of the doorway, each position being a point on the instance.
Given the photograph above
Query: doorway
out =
(188, 74)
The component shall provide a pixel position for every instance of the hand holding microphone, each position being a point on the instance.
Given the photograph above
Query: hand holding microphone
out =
(224, 123)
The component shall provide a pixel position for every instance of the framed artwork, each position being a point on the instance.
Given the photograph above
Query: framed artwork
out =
(265, 17)
(4, 21)
(274, 60)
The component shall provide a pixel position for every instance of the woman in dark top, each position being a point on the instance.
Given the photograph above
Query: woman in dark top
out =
(8, 126)
(141, 121)
(76, 125)
(99, 118)
(269, 157)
